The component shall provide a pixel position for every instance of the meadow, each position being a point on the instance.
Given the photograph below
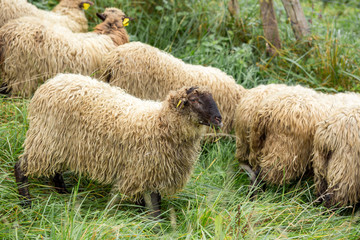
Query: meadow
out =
(215, 204)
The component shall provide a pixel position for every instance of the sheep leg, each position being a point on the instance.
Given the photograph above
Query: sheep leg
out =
(153, 202)
(321, 191)
(141, 202)
(4, 89)
(22, 183)
(248, 169)
(255, 184)
(59, 183)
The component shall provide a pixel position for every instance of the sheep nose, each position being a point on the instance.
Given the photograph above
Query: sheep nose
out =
(217, 121)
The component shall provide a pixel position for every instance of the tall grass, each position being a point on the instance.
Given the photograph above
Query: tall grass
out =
(215, 204)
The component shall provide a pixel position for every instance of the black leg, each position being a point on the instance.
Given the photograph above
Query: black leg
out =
(59, 183)
(4, 89)
(141, 202)
(22, 182)
(153, 202)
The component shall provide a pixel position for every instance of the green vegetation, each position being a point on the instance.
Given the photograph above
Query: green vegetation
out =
(215, 203)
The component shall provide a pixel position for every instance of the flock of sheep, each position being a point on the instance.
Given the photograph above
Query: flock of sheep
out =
(139, 125)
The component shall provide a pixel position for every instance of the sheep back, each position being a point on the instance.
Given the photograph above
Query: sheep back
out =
(63, 14)
(33, 51)
(149, 73)
(89, 127)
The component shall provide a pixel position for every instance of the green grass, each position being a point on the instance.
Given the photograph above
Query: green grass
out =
(215, 203)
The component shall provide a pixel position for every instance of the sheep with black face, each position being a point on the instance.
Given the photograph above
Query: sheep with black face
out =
(140, 147)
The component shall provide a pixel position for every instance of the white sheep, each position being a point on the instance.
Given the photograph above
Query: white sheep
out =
(150, 73)
(282, 131)
(31, 51)
(68, 13)
(138, 146)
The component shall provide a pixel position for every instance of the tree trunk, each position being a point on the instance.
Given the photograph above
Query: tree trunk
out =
(270, 26)
(298, 21)
(234, 8)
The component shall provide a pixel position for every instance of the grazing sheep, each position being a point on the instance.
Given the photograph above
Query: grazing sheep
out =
(245, 112)
(138, 146)
(32, 51)
(336, 160)
(68, 13)
(244, 115)
(281, 134)
(149, 73)
(282, 131)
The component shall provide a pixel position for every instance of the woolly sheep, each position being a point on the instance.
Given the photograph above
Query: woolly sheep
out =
(149, 73)
(68, 13)
(90, 127)
(336, 160)
(244, 114)
(31, 51)
(281, 134)
(283, 128)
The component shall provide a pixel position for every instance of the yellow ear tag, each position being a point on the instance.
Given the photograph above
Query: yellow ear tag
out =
(86, 6)
(178, 104)
(125, 22)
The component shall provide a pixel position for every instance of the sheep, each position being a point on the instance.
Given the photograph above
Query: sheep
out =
(281, 134)
(336, 158)
(149, 73)
(139, 146)
(244, 113)
(32, 51)
(68, 13)
(282, 131)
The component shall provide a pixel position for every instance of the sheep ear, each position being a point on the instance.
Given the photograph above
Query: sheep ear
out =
(190, 90)
(102, 16)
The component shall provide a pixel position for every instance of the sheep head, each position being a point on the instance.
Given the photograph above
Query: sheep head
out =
(201, 106)
(114, 21)
(79, 4)
(114, 17)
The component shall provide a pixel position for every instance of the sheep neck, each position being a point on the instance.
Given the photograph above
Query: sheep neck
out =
(179, 126)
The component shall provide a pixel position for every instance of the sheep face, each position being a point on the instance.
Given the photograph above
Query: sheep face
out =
(202, 107)
(114, 17)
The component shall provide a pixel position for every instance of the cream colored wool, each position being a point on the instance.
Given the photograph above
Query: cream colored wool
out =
(149, 73)
(283, 128)
(245, 112)
(282, 131)
(67, 13)
(336, 160)
(90, 127)
(32, 51)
